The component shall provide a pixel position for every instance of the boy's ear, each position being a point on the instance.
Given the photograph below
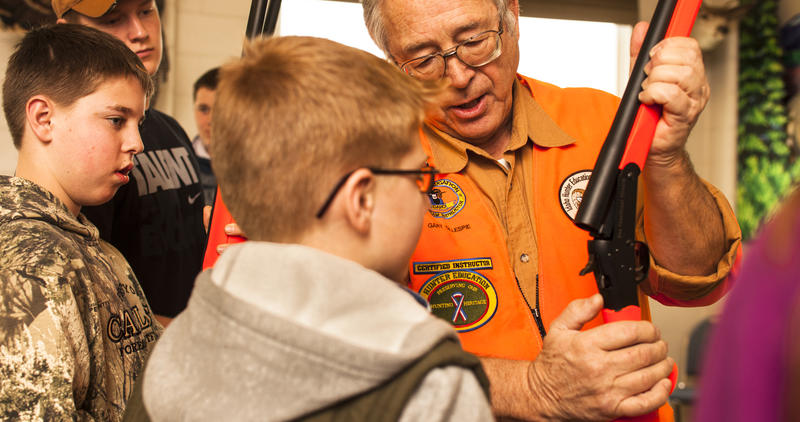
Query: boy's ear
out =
(39, 115)
(359, 200)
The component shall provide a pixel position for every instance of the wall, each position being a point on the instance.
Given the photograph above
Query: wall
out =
(787, 9)
(8, 155)
(201, 34)
(617, 11)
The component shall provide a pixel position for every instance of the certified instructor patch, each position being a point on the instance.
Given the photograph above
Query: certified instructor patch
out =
(466, 299)
(571, 191)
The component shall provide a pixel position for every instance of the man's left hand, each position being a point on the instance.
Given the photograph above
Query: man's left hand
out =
(676, 80)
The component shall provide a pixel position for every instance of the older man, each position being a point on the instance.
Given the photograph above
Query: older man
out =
(499, 255)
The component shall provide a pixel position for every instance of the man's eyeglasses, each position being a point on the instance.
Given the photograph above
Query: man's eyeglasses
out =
(425, 178)
(475, 51)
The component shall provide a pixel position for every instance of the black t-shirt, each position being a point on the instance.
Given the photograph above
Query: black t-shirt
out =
(156, 220)
(207, 179)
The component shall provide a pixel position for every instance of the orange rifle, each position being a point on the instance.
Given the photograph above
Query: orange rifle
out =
(608, 208)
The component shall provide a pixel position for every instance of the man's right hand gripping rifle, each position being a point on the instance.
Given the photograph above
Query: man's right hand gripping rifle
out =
(620, 369)
(608, 210)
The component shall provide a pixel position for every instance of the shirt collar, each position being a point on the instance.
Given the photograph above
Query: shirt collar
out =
(529, 122)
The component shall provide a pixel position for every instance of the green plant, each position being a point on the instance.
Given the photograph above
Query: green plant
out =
(767, 164)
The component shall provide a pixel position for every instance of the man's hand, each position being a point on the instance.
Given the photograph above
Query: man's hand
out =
(683, 224)
(676, 80)
(164, 320)
(231, 229)
(616, 370)
(207, 216)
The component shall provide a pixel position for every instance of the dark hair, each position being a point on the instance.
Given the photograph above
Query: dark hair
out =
(207, 80)
(64, 62)
(71, 16)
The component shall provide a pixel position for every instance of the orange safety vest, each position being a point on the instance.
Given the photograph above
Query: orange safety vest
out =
(462, 265)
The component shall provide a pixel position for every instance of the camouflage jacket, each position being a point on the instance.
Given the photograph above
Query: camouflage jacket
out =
(75, 327)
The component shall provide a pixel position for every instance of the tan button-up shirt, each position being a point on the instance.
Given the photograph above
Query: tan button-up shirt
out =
(505, 186)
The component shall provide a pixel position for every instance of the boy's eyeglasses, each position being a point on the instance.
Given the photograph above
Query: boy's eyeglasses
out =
(425, 178)
(476, 51)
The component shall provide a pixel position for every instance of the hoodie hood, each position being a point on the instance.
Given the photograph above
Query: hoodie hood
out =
(21, 199)
(274, 332)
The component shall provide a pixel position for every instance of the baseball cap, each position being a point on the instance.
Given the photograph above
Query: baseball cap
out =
(90, 8)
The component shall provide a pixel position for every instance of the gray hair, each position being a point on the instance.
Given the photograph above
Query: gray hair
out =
(373, 18)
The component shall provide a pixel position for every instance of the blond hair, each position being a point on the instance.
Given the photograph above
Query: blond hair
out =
(297, 113)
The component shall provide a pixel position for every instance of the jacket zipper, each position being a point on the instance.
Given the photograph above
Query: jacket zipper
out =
(536, 315)
(535, 310)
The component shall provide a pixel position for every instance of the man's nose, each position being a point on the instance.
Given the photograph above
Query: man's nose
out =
(459, 73)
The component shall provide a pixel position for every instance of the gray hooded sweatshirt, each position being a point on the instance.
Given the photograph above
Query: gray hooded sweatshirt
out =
(276, 332)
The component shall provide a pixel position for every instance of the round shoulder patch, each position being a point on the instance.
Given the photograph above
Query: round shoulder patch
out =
(570, 193)
(466, 299)
(447, 199)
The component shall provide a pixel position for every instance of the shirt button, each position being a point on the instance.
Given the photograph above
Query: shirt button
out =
(524, 258)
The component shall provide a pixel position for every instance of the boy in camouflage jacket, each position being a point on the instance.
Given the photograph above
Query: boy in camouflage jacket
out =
(75, 327)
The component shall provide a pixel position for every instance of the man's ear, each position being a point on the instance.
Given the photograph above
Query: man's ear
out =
(61, 20)
(39, 116)
(513, 5)
(359, 200)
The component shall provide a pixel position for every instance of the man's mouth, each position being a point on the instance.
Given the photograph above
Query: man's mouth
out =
(469, 105)
(470, 109)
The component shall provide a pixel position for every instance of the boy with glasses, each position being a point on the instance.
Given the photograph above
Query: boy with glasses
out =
(316, 149)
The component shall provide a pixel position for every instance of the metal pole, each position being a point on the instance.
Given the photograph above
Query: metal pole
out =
(263, 18)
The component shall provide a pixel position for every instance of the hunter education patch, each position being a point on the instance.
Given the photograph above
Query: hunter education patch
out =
(570, 193)
(465, 298)
(447, 199)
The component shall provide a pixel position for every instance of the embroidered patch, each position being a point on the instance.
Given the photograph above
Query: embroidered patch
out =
(447, 199)
(466, 299)
(571, 191)
(433, 267)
